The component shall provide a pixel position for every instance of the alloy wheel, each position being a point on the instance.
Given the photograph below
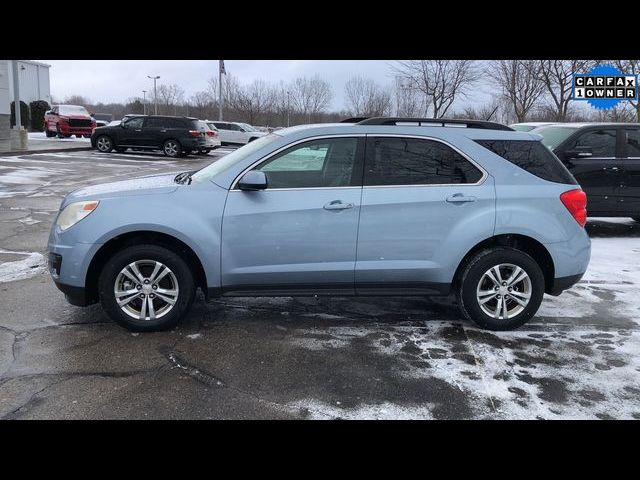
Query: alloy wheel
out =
(504, 291)
(146, 290)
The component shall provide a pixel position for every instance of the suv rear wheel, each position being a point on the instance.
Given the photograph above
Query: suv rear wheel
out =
(146, 288)
(172, 148)
(500, 288)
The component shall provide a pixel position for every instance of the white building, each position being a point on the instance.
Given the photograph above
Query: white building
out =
(34, 81)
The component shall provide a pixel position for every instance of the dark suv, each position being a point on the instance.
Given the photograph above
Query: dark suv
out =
(605, 160)
(175, 136)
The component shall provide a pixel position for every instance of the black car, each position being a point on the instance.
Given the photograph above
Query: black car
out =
(605, 160)
(175, 136)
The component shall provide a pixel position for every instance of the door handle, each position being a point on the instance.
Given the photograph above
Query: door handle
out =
(460, 198)
(163, 131)
(615, 169)
(337, 205)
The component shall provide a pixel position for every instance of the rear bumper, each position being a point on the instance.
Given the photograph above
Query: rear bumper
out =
(561, 284)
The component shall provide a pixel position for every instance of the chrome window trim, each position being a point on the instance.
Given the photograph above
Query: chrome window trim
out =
(356, 135)
(444, 142)
(308, 139)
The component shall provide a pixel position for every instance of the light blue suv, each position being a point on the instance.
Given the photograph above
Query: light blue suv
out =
(386, 206)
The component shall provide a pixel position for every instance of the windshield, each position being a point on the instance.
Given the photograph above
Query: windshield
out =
(219, 166)
(73, 110)
(248, 127)
(554, 135)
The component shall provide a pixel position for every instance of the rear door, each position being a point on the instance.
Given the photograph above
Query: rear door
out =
(630, 194)
(420, 199)
(594, 157)
(152, 132)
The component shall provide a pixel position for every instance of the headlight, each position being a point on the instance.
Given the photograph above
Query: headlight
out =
(74, 212)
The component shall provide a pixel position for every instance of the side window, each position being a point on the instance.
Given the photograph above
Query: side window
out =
(234, 127)
(413, 161)
(633, 143)
(153, 122)
(317, 163)
(602, 143)
(135, 122)
(221, 126)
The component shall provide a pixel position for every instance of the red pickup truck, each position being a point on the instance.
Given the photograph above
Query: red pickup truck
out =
(67, 120)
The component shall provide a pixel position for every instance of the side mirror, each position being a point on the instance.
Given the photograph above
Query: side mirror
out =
(123, 124)
(253, 180)
(584, 152)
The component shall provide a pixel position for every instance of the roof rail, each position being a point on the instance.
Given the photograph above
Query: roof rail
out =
(353, 120)
(443, 122)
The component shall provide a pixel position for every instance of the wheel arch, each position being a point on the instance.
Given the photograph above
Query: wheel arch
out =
(109, 248)
(524, 243)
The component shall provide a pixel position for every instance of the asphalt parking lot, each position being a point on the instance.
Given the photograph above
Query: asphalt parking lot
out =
(301, 358)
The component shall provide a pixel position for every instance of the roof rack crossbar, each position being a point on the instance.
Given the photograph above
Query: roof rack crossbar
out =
(482, 124)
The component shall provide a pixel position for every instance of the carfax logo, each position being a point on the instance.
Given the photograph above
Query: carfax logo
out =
(605, 87)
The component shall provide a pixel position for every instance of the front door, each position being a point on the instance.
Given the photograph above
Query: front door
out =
(594, 159)
(131, 132)
(421, 201)
(299, 234)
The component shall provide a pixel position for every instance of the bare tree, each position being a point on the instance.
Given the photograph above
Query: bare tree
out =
(520, 83)
(170, 97)
(77, 100)
(409, 101)
(310, 96)
(366, 98)
(557, 77)
(253, 100)
(630, 67)
(440, 81)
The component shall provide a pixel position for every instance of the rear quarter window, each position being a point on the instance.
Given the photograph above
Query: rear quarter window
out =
(532, 156)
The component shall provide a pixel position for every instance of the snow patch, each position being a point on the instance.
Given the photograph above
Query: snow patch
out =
(33, 264)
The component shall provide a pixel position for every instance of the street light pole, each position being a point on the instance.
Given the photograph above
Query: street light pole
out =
(144, 102)
(155, 94)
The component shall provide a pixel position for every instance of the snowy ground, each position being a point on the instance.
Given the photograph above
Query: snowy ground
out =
(286, 357)
(41, 136)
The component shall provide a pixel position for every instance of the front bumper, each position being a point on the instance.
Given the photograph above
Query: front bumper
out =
(75, 295)
(67, 130)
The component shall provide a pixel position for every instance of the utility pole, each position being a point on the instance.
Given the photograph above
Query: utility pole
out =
(220, 71)
(16, 95)
(155, 94)
(144, 102)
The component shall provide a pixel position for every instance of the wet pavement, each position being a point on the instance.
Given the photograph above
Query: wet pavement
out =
(384, 357)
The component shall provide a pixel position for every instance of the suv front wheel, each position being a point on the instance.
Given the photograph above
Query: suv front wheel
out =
(172, 148)
(104, 144)
(500, 288)
(146, 288)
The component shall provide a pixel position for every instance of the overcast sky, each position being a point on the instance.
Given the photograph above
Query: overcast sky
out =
(118, 80)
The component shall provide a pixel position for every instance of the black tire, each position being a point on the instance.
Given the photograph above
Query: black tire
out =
(204, 151)
(48, 132)
(104, 144)
(471, 274)
(121, 149)
(172, 148)
(180, 270)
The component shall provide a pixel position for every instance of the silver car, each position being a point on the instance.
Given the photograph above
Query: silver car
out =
(387, 206)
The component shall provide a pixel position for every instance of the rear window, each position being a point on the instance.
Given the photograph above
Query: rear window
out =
(532, 156)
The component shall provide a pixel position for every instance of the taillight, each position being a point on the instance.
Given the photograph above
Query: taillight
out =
(576, 203)
(211, 133)
(194, 133)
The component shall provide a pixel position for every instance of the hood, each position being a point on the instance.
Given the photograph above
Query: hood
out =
(147, 185)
